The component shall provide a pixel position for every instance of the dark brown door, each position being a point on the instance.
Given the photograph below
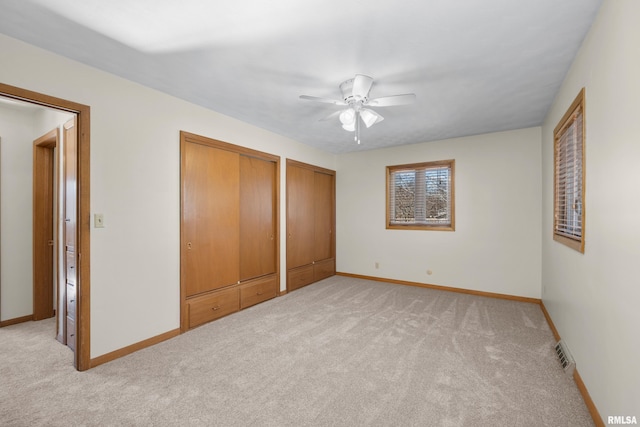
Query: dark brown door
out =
(210, 216)
(300, 216)
(257, 217)
(43, 225)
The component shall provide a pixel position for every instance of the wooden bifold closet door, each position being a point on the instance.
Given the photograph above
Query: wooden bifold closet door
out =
(310, 224)
(229, 230)
(210, 218)
(323, 199)
(257, 217)
(300, 216)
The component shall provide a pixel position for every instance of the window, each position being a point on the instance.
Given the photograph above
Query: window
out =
(420, 196)
(568, 206)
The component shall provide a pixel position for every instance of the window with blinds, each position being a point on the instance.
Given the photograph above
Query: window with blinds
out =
(568, 223)
(421, 196)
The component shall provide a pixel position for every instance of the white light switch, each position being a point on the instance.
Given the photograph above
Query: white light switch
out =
(98, 220)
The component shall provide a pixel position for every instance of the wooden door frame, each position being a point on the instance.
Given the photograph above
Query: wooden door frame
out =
(82, 355)
(45, 202)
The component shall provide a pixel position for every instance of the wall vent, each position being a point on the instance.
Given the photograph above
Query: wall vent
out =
(566, 359)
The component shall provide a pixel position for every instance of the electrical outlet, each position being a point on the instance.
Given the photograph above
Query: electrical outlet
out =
(429, 272)
(377, 265)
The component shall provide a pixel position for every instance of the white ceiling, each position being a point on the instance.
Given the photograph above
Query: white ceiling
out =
(476, 66)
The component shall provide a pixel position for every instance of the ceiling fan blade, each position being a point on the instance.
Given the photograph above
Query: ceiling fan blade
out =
(361, 86)
(370, 117)
(331, 116)
(388, 101)
(325, 100)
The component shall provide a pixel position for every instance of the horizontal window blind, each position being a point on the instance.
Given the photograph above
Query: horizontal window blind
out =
(569, 175)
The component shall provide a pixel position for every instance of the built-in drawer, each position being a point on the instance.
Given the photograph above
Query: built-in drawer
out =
(299, 277)
(71, 300)
(212, 306)
(71, 267)
(323, 269)
(258, 290)
(71, 333)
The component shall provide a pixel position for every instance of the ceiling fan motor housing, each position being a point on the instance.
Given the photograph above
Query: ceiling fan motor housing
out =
(346, 88)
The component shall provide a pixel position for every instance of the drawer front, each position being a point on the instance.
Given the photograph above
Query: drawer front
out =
(213, 306)
(299, 277)
(71, 333)
(71, 300)
(324, 269)
(71, 267)
(258, 291)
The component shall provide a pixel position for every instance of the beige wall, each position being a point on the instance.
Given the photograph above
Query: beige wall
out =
(496, 244)
(16, 138)
(594, 298)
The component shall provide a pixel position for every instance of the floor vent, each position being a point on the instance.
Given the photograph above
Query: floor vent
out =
(568, 364)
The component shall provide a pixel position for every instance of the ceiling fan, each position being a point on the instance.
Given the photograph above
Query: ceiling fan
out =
(355, 93)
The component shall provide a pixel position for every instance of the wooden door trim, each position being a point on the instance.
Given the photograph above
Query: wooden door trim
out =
(82, 358)
(198, 139)
(49, 139)
(299, 164)
(44, 170)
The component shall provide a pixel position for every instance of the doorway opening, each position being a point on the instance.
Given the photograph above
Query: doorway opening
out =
(76, 258)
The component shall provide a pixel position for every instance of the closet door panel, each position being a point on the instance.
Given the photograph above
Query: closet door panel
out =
(257, 217)
(323, 219)
(300, 214)
(211, 199)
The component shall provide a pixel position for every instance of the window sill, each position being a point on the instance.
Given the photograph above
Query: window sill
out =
(576, 245)
(448, 227)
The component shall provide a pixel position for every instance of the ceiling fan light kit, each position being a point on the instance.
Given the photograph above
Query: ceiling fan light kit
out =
(355, 94)
(347, 117)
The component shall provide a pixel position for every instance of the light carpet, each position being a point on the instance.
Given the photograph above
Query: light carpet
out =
(341, 352)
